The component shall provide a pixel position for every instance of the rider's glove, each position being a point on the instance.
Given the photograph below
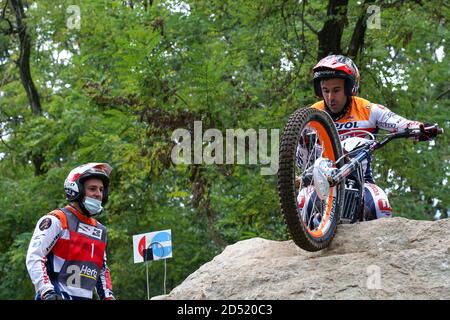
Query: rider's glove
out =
(51, 295)
(422, 135)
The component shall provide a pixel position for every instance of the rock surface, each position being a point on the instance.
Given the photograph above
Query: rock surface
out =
(382, 259)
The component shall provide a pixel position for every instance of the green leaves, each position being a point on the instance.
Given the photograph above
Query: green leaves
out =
(134, 74)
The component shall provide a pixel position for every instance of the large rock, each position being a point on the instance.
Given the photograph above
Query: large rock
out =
(392, 258)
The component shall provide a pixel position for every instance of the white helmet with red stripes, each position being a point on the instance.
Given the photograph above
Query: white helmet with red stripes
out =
(73, 186)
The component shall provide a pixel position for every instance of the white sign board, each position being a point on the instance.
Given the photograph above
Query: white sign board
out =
(158, 245)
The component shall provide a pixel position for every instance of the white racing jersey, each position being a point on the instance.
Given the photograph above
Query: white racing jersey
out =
(67, 254)
(366, 116)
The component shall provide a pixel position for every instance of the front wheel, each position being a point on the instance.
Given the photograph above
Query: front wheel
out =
(311, 210)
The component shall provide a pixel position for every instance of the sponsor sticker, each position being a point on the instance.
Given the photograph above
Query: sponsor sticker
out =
(347, 125)
(52, 243)
(45, 224)
(90, 231)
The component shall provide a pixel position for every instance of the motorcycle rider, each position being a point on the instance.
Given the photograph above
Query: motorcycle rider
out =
(66, 256)
(336, 81)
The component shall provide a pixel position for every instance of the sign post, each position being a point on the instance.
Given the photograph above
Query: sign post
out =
(153, 246)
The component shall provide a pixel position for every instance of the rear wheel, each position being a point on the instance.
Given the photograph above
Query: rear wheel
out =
(310, 137)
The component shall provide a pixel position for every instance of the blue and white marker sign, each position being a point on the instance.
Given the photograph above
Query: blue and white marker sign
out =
(155, 245)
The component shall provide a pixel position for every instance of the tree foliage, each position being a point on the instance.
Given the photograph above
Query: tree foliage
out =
(115, 89)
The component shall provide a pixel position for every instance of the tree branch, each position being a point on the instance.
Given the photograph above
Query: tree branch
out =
(201, 200)
(4, 10)
(24, 57)
(357, 40)
(5, 144)
(443, 94)
(305, 22)
(7, 79)
(37, 157)
(310, 27)
(331, 33)
(3, 17)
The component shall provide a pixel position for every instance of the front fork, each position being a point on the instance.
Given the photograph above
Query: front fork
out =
(340, 174)
(325, 175)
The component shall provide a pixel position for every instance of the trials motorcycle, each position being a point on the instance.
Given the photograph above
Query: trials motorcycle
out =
(312, 157)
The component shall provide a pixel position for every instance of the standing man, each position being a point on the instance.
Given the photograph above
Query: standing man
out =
(66, 258)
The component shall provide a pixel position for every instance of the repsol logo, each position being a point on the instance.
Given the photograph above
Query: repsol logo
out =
(347, 125)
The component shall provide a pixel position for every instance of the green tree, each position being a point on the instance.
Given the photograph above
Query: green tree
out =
(115, 89)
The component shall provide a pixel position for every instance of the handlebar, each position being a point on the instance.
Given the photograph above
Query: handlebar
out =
(423, 133)
(426, 131)
(434, 129)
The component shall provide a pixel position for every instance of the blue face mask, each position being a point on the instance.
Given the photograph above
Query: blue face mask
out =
(93, 206)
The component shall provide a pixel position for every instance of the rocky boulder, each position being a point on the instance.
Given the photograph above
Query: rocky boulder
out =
(393, 258)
